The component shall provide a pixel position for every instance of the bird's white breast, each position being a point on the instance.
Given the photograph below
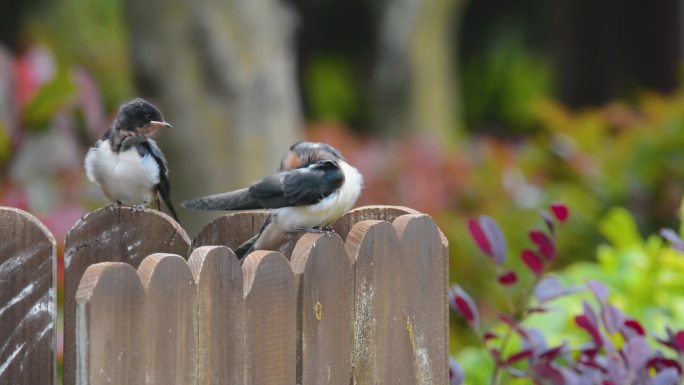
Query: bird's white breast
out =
(327, 210)
(124, 176)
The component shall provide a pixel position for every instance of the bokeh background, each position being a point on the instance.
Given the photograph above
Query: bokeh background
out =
(455, 108)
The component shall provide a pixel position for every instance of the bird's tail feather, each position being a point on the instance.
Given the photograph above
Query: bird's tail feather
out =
(233, 200)
(245, 248)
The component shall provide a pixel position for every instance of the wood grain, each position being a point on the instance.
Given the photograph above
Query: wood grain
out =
(345, 223)
(109, 327)
(423, 272)
(27, 299)
(374, 249)
(119, 235)
(170, 320)
(323, 273)
(233, 229)
(270, 305)
(221, 316)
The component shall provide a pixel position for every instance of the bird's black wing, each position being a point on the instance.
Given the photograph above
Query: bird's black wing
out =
(233, 200)
(298, 187)
(148, 146)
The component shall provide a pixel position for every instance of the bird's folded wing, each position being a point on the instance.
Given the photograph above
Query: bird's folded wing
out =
(233, 200)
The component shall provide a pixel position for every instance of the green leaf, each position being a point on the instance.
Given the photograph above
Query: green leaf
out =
(51, 97)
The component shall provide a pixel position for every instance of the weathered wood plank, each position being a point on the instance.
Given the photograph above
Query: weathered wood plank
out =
(221, 315)
(424, 293)
(323, 273)
(170, 320)
(110, 330)
(27, 299)
(345, 223)
(270, 305)
(104, 235)
(374, 248)
(233, 229)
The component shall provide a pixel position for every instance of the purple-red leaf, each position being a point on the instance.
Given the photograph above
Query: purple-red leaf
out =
(490, 336)
(660, 363)
(548, 372)
(455, 372)
(637, 352)
(548, 220)
(668, 376)
(532, 261)
(513, 324)
(527, 353)
(584, 322)
(464, 305)
(550, 288)
(552, 353)
(507, 278)
(479, 236)
(560, 211)
(544, 244)
(635, 326)
(599, 289)
(679, 341)
(497, 242)
(674, 239)
(612, 317)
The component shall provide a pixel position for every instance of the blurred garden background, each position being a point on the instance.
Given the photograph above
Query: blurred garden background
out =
(456, 108)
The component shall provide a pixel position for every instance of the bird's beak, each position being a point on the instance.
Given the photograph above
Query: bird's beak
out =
(152, 127)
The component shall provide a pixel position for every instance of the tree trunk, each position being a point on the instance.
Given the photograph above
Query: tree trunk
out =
(414, 86)
(223, 73)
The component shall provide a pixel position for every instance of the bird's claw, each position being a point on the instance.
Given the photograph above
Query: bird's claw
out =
(113, 206)
(138, 208)
(327, 230)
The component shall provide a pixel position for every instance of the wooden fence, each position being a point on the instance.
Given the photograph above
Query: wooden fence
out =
(367, 305)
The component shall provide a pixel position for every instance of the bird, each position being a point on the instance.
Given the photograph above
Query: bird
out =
(126, 162)
(313, 186)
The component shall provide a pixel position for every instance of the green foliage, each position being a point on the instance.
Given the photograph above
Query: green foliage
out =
(51, 97)
(92, 34)
(502, 85)
(644, 274)
(331, 89)
(5, 144)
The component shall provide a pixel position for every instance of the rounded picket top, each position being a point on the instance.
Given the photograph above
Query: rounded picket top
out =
(221, 315)
(112, 235)
(325, 278)
(371, 237)
(27, 287)
(231, 230)
(109, 323)
(344, 224)
(170, 320)
(270, 322)
(425, 305)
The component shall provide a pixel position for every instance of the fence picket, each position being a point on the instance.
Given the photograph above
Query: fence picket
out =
(423, 299)
(170, 320)
(270, 319)
(221, 315)
(374, 248)
(119, 235)
(109, 330)
(324, 278)
(27, 299)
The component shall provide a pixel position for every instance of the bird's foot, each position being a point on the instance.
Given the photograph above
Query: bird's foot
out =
(138, 208)
(115, 205)
(327, 230)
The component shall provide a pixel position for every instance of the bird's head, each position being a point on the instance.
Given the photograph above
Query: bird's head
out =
(139, 117)
(302, 154)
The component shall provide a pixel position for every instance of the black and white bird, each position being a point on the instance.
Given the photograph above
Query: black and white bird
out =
(127, 164)
(313, 186)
